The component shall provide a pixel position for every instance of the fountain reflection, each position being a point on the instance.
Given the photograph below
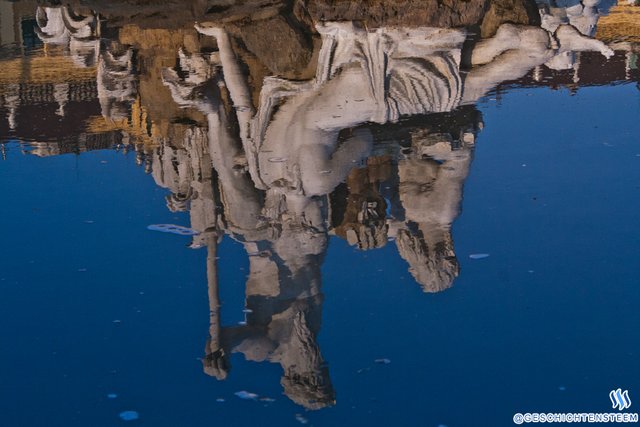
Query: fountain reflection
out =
(362, 132)
(277, 162)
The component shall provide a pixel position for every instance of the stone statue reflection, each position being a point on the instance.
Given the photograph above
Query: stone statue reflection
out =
(117, 85)
(285, 237)
(278, 163)
(285, 277)
(414, 199)
(80, 35)
(430, 187)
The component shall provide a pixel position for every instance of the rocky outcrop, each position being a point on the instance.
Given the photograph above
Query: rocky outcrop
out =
(375, 13)
(508, 11)
(280, 43)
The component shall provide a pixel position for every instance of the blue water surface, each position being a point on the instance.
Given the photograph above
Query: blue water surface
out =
(94, 303)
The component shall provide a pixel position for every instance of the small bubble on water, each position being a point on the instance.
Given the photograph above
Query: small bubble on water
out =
(301, 419)
(129, 415)
(246, 395)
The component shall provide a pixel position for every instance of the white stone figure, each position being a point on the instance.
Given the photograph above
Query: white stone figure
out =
(285, 236)
(430, 188)
(516, 49)
(171, 169)
(58, 25)
(300, 150)
(361, 77)
(186, 172)
(371, 76)
(242, 201)
(51, 25)
(351, 77)
(284, 307)
(235, 81)
(116, 83)
(581, 15)
(303, 139)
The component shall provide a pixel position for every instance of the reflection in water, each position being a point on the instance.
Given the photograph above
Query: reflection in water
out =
(372, 145)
